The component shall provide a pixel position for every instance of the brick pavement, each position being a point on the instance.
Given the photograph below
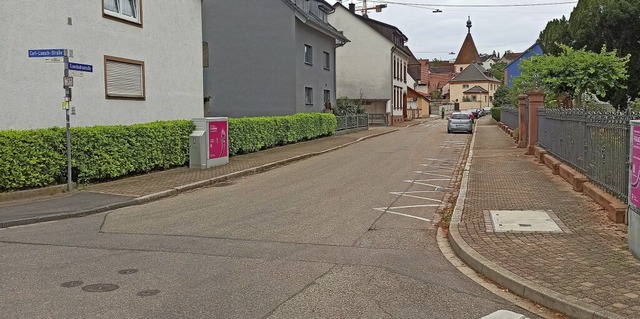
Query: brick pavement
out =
(588, 265)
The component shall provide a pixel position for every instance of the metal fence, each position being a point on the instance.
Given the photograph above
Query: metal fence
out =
(595, 144)
(509, 116)
(378, 119)
(346, 122)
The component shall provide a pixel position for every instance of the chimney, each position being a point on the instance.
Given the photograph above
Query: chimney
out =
(352, 7)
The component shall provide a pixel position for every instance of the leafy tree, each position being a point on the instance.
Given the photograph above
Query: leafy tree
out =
(556, 32)
(497, 70)
(594, 23)
(501, 96)
(572, 72)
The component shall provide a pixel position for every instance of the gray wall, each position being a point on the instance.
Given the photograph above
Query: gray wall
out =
(256, 59)
(251, 49)
(314, 76)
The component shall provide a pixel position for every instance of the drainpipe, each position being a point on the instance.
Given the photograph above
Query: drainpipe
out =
(393, 49)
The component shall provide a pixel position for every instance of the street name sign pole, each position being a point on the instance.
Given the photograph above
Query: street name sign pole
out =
(67, 83)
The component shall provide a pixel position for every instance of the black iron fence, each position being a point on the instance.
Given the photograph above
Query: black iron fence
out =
(595, 144)
(346, 122)
(509, 116)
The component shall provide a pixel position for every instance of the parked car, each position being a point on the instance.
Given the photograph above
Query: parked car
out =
(460, 122)
(476, 113)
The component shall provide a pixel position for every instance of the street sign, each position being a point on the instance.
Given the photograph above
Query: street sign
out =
(46, 53)
(54, 60)
(67, 82)
(80, 67)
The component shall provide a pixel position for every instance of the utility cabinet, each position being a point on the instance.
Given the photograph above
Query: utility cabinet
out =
(209, 142)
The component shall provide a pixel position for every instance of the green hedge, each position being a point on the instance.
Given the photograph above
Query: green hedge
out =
(37, 158)
(495, 113)
(251, 134)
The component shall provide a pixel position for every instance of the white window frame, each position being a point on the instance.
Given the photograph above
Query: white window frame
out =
(120, 16)
(109, 91)
(308, 54)
(308, 95)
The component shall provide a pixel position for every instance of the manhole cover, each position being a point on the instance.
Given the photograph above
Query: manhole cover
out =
(100, 287)
(127, 271)
(523, 221)
(71, 284)
(149, 292)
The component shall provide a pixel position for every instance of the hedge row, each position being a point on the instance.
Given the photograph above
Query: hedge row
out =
(495, 113)
(37, 158)
(252, 134)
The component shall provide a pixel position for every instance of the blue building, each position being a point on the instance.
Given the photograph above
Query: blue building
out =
(512, 70)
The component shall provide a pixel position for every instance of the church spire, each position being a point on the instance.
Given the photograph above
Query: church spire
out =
(469, 24)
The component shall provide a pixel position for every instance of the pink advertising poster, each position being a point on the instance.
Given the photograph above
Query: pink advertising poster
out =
(218, 139)
(634, 174)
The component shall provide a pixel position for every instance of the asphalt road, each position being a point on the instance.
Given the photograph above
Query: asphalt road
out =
(348, 234)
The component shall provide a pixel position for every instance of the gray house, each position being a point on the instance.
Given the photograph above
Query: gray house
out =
(268, 57)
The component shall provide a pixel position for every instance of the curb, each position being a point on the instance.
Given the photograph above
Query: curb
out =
(179, 189)
(568, 305)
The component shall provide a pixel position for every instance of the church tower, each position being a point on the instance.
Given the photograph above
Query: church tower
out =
(468, 52)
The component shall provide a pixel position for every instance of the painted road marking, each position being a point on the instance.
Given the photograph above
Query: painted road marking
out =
(420, 182)
(434, 174)
(386, 210)
(414, 196)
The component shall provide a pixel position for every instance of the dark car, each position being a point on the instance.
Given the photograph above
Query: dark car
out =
(460, 122)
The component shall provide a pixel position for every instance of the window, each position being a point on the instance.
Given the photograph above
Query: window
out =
(327, 61)
(308, 54)
(465, 86)
(327, 96)
(474, 98)
(308, 95)
(205, 54)
(124, 78)
(127, 10)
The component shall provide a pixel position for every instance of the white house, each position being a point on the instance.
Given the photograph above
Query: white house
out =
(146, 58)
(373, 66)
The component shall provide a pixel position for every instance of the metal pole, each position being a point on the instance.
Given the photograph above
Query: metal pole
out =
(67, 92)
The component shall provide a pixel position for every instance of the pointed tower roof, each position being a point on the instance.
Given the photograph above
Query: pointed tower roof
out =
(468, 52)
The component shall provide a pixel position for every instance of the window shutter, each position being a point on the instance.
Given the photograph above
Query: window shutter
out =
(124, 79)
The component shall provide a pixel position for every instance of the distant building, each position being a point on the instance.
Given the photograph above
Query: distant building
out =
(473, 88)
(512, 70)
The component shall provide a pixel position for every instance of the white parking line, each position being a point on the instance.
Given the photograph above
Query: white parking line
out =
(414, 196)
(386, 210)
(434, 174)
(420, 182)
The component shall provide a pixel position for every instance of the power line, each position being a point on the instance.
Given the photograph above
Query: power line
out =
(413, 4)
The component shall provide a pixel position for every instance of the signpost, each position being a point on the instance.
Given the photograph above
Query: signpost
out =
(52, 55)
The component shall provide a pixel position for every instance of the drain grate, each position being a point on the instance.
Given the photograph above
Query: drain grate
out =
(541, 221)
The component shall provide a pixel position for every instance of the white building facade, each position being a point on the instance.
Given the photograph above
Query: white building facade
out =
(373, 66)
(147, 62)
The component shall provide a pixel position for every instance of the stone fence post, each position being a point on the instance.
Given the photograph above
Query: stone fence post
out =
(522, 126)
(536, 100)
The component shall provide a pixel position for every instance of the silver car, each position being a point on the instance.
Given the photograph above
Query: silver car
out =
(460, 122)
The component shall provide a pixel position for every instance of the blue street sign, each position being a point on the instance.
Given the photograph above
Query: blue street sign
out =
(46, 53)
(80, 67)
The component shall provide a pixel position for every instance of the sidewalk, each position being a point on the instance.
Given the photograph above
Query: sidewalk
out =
(583, 270)
(96, 198)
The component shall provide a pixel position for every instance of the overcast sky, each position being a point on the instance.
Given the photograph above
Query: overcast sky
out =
(434, 35)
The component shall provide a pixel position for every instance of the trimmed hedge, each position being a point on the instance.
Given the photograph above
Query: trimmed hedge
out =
(37, 158)
(495, 113)
(251, 134)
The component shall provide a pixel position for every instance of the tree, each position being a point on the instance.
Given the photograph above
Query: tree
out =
(594, 23)
(573, 72)
(556, 32)
(497, 70)
(501, 96)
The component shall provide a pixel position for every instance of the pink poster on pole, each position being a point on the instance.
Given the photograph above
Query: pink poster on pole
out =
(634, 174)
(218, 139)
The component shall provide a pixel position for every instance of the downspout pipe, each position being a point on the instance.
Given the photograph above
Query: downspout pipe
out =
(393, 50)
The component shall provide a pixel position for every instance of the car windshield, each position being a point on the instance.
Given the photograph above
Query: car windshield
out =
(459, 116)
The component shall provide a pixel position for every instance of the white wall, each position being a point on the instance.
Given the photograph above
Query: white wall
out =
(364, 64)
(169, 43)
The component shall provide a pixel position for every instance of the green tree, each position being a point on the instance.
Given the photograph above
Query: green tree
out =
(556, 32)
(572, 72)
(594, 23)
(501, 96)
(497, 70)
